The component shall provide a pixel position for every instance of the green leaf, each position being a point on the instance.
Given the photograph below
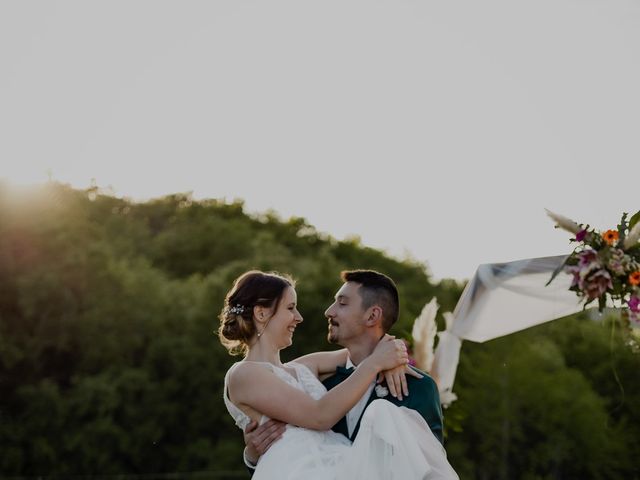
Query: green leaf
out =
(622, 227)
(558, 270)
(634, 252)
(634, 219)
(602, 303)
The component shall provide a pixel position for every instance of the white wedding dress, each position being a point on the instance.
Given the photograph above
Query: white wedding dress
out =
(392, 443)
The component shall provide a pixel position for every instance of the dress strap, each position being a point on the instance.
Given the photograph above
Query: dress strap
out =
(241, 419)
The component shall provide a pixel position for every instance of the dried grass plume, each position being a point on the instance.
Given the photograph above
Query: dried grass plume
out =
(424, 334)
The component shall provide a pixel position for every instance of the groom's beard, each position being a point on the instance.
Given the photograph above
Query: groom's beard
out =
(332, 335)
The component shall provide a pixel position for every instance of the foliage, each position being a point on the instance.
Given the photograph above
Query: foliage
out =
(109, 363)
(556, 401)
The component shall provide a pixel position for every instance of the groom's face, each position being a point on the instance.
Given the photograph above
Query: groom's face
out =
(345, 315)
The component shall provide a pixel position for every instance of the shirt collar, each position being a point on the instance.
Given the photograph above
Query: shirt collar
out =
(349, 363)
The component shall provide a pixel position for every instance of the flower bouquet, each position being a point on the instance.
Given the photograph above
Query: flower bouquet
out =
(605, 265)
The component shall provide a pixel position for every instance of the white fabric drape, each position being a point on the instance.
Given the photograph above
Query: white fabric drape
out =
(500, 299)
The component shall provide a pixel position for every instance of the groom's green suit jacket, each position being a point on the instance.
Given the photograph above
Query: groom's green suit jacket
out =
(423, 398)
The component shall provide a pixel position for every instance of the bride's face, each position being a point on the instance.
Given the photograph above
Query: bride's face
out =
(285, 320)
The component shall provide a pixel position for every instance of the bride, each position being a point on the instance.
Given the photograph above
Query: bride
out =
(259, 318)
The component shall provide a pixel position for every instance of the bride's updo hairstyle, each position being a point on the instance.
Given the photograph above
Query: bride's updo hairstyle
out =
(253, 288)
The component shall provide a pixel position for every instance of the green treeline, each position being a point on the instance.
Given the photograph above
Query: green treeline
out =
(109, 363)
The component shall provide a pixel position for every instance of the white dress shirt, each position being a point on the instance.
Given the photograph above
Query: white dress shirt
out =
(355, 413)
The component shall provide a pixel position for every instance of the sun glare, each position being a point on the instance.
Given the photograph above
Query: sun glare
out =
(22, 198)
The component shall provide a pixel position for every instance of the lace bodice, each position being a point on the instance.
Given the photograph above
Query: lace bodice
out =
(305, 381)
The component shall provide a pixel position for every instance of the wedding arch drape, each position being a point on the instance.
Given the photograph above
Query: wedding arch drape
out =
(500, 299)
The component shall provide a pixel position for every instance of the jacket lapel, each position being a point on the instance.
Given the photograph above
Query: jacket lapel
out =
(340, 375)
(371, 398)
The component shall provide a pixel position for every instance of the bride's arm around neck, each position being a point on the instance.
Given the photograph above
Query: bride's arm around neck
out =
(255, 387)
(324, 363)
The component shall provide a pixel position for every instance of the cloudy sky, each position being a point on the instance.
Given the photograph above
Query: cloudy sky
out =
(438, 130)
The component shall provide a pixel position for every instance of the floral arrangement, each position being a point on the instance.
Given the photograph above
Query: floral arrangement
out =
(605, 265)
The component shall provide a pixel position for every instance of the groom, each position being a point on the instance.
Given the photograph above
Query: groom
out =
(365, 308)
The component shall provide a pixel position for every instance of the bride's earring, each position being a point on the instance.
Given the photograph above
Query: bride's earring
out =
(261, 316)
(265, 325)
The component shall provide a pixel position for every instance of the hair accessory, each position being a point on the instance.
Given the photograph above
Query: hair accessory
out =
(237, 309)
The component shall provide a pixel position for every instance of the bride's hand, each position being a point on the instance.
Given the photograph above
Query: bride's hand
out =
(389, 353)
(396, 380)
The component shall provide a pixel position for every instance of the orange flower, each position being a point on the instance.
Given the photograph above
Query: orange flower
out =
(610, 236)
(634, 278)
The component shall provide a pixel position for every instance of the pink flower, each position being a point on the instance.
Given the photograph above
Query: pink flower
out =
(587, 263)
(581, 235)
(616, 267)
(596, 284)
(587, 257)
(575, 271)
(634, 304)
(617, 261)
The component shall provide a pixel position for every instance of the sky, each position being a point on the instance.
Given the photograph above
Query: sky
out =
(434, 130)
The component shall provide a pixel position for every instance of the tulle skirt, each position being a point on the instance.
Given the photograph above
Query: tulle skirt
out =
(392, 443)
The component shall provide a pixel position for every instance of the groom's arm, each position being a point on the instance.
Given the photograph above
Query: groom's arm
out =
(425, 399)
(258, 439)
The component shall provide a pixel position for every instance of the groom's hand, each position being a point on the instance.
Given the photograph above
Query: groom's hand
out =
(258, 439)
